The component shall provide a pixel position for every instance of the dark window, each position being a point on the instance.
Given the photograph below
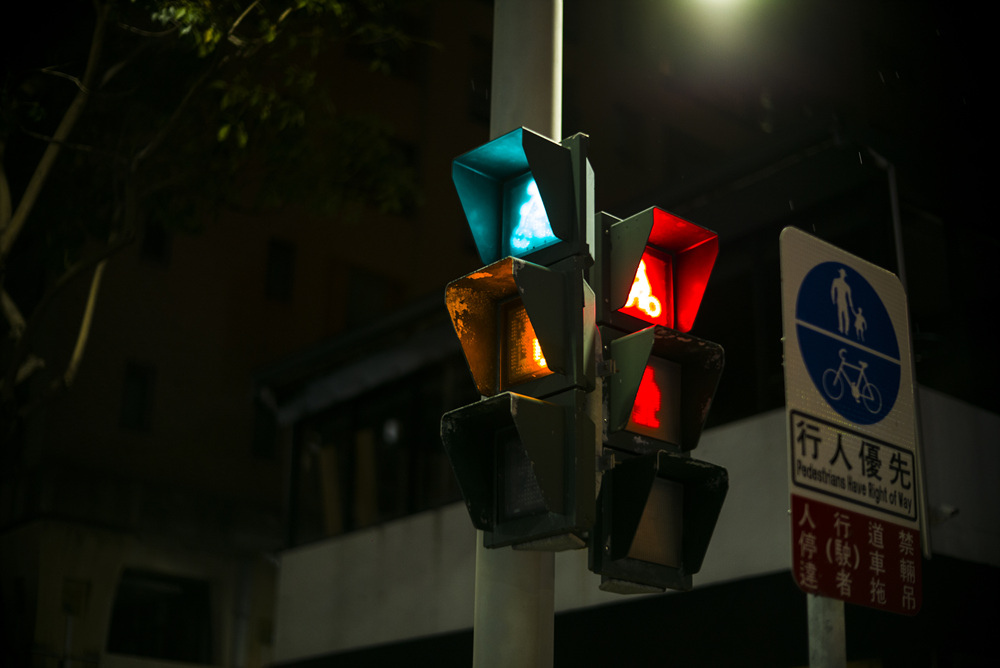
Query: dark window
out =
(137, 396)
(265, 430)
(378, 457)
(280, 270)
(161, 617)
(156, 243)
(480, 80)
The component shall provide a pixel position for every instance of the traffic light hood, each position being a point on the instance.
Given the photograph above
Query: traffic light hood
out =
(557, 304)
(526, 196)
(681, 256)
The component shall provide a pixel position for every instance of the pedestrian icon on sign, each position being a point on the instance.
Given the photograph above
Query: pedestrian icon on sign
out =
(848, 342)
(860, 325)
(840, 293)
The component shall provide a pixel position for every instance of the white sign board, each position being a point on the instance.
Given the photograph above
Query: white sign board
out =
(853, 468)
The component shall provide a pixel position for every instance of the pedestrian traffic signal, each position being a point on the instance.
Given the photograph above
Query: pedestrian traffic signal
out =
(524, 327)
(525, 468)
(651, 269)
(526, 455)
(655, 518)
(660, 389)
(527, 196)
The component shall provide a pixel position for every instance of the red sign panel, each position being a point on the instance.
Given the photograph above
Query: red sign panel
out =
(855, 557)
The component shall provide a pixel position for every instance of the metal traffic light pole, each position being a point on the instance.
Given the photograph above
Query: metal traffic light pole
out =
(515, 589)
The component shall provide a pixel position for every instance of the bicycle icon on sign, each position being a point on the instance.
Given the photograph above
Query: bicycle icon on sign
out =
(862, 390)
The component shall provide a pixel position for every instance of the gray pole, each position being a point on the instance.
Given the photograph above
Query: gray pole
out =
(515, 590)
(827, 638)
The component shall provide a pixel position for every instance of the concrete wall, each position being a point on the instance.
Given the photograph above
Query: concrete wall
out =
(415, 577)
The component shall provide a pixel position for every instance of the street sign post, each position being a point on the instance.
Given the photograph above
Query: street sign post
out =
(853, 465)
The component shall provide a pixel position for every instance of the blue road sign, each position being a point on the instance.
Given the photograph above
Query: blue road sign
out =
(848, 342)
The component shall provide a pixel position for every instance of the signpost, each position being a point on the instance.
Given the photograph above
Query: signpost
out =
(853, 465)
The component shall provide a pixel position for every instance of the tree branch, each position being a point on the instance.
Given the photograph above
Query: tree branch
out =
(160, 136)
(88, 316)
(13, 315)
(69, 119)
(6, 205)
(15, 370)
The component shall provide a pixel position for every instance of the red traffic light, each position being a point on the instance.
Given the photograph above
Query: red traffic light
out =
(654, 269)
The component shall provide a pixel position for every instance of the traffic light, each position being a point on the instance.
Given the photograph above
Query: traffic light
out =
(524, 327)
(525, 468)
(562, 396)
(655, 518)
(651, 269)
(524, 455)
(657, 507)
(661, 390)
(527, 196)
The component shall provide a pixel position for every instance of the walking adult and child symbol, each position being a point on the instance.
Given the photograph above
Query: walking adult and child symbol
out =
(840, 293)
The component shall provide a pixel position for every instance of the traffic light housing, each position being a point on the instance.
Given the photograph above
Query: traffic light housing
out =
(524, 327)
(661, 388)
(524, 455)
(582, 361)
(655, 518)
(652, 269)
(527, 196)
(525, 467)
(657, 507)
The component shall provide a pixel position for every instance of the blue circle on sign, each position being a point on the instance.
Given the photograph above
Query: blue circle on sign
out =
(848, 342)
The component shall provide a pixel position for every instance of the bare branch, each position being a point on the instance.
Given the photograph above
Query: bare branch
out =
(62, 75)
(88, 316)
(21, 348)
(30, 366)
(6, 204)
(242, 16)
(69, 119)
(13, 315)
(147, 33)
(83, 148)
(178, 112)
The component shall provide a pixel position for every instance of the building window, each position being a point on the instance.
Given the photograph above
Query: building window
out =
(156, 243)
(280, 270)
(137, 396)
(480, 79)
(265, 430)
(161, 617)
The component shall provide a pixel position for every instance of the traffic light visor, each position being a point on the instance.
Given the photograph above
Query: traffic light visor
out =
(517, 194)
(656, 515)
(660, 265)
(661, 389)
(517, 327)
